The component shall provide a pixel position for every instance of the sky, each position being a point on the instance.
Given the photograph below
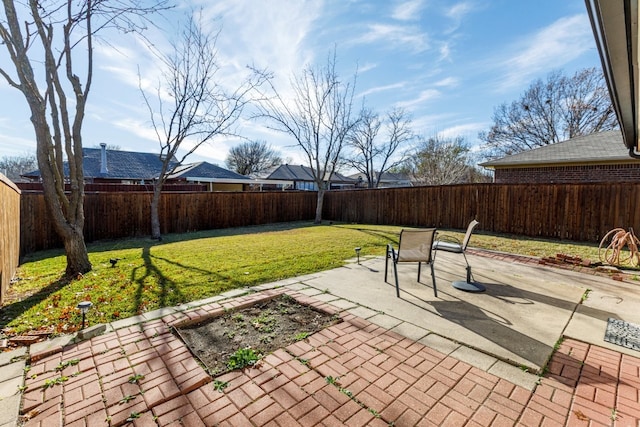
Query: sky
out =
(449, 64)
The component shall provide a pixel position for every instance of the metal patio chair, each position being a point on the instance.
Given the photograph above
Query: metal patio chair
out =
(413, 246)
(449, 243)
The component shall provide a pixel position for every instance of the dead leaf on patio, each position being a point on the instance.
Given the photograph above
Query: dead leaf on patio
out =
(580, 415)
(30, 414)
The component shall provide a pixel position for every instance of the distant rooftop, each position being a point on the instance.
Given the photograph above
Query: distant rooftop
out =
(131, 165)
(601, 147)
(303, 173)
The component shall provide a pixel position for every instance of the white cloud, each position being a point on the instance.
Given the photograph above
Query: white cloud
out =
(458, 11)
(550, 48)
(394, 35)
(408, 10)
(445, 50)
(467, 130)
(125, 55)
(447, 82)
(385, 88)
(12, 146)
(425, 95)
(137, 128)
(269, 35)
(367, 67)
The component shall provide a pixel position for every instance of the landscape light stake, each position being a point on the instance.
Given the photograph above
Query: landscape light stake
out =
(358, 254)
(84, 306)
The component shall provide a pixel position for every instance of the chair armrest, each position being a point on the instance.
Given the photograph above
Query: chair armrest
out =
(448, 243)
(447, 238)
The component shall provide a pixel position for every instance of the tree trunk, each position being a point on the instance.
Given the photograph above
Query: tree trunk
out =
(318, 219)
(155, 216)
(69, 227)
(76, 250)
(66, 211)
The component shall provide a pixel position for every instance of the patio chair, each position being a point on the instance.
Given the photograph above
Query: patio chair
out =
(449, 243)
(413, 246)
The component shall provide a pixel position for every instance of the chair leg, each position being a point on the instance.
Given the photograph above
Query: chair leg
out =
(419, 265)
(433, 278)
(392, 254)
(386, 264)
(395, 272)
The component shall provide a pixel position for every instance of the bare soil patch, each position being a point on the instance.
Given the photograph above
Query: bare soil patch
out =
(221, 343)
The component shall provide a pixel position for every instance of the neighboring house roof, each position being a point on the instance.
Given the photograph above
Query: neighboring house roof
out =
(600, 147)
(206, 171)
(302, 173)
(264, 174)
(120, 165)
(387, 177)
(130, 165)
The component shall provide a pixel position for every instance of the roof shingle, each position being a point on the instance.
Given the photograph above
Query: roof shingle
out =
(594, 148)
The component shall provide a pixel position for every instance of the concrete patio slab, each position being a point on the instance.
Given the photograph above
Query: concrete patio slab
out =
(385, 321)
(9, 411)
(441, 344)
(7, 357)
(523, 313)
(341, 303)
(474, 357)
(619, 301)
(11, 378)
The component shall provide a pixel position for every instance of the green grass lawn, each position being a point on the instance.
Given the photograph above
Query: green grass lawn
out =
(191, 266)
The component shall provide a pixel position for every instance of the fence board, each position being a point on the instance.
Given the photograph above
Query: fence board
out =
(116, 215)
(9, 233)
(579, 212)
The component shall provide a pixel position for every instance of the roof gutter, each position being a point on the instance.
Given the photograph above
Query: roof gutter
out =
(237, 181)
(615, 28)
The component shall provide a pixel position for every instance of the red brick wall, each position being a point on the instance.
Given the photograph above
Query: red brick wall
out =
(566, 174)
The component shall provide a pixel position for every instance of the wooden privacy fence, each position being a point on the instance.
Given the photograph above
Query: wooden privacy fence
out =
(127, 214)
(107, 187)
(9, 233)
(580, 212)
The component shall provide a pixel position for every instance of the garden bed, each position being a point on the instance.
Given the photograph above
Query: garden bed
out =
(239, 338)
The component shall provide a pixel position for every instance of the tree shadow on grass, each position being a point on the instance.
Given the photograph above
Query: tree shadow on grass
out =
(12, 310)
(169, 292)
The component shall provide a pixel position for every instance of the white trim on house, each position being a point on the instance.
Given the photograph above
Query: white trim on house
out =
(615, 28)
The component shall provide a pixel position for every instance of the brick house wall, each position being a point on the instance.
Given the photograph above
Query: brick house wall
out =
(566, 174)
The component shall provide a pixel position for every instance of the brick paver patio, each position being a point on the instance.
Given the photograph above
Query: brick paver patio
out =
(354, 373)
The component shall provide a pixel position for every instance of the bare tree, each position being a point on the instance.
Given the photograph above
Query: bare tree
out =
(190, 104)
(14, 166)
(373, 154)
(252, 157)
(319, 118)
(50, 61)
(438, 161)
(552, 111)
